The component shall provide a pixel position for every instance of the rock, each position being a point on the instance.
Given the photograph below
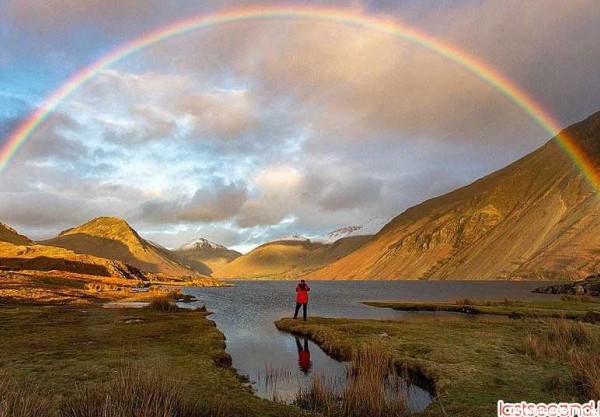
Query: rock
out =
(591, 317)
(588, 286)
(469, 310)
(222, 359)
(514, 316)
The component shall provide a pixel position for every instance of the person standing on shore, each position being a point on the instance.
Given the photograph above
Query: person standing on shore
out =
(301, 298)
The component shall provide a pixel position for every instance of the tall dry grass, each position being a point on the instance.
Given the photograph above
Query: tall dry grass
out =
(586, 373)
(21, 401)
(139, 393)
(577, 298)
(570, 342)
(373, 388)
(561, 339)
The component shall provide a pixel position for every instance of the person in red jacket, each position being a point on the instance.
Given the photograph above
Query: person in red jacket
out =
(301, 298)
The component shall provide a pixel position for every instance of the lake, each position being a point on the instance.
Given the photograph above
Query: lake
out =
(278, 365)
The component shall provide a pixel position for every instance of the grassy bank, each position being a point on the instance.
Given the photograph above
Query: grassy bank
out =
(473, 361)
(60, 352)
(570, 307)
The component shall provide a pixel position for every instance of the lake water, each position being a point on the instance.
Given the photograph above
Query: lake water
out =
(277, 363)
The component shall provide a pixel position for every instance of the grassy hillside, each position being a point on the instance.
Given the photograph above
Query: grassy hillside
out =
(288, 259)
(113, 238)
(9, 235)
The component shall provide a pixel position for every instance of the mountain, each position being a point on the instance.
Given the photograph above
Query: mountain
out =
(41, 258)
(114, 238)
(370, 228)
(205, 256)
(536, 218)
(9, 235)
(286, 259)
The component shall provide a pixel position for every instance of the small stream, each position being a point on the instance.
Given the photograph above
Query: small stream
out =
(278, 364)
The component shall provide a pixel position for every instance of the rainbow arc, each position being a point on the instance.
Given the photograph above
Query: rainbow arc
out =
(341, 16)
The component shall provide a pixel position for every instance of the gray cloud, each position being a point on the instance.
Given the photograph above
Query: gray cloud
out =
(219, 201)
(350, 194)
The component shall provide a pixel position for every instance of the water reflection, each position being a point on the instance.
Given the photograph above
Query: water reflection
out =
(304, 362)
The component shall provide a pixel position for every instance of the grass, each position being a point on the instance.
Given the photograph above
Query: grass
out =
(573, 343)
(568, 307)
(143, 393)
(373, 388)
(163, 305)
(471, 361)
(23, 401)
(561, 339)
(74, 351)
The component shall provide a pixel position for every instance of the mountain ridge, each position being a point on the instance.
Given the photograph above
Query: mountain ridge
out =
(535, 218)
(114, 238)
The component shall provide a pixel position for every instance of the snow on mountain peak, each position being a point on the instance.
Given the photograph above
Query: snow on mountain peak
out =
(369, 228)
(296, 238)
(201, 243)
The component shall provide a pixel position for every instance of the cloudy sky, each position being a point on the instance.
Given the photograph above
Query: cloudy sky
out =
(252, 130)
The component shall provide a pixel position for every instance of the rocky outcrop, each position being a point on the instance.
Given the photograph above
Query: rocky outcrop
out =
(588, 286)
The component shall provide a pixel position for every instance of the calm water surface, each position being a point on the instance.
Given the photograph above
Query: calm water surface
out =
(279, 364)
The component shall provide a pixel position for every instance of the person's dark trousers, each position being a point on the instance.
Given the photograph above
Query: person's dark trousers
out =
(304, 305)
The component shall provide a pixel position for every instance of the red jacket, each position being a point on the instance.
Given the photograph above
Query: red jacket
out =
(302, 294)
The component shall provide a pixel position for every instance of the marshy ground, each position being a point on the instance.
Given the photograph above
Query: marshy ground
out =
(475, 360)
(58, 351)
(87, 361)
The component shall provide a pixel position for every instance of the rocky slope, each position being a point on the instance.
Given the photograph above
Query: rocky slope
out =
(287, 259)
(114, 238)
(205, 256)
(536, 218)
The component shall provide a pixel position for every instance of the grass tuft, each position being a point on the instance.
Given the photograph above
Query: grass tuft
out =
(561, 339)
(373, 388)
(136, 393)
(577, 298)
(18, 401)
(586, 373)
(163, 305)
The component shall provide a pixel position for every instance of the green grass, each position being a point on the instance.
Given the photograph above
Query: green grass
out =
(565, 308)
(63, 350)
(473, 360)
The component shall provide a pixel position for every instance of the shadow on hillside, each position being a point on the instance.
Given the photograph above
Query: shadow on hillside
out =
(101, 247)
(44, 263)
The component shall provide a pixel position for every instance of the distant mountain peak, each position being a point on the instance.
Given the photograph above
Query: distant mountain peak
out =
(114, 238)
(100, 226)
(371, 227)
(201, 243)
(291, 238)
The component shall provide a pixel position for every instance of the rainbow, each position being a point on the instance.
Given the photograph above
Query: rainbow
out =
(340, 16)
